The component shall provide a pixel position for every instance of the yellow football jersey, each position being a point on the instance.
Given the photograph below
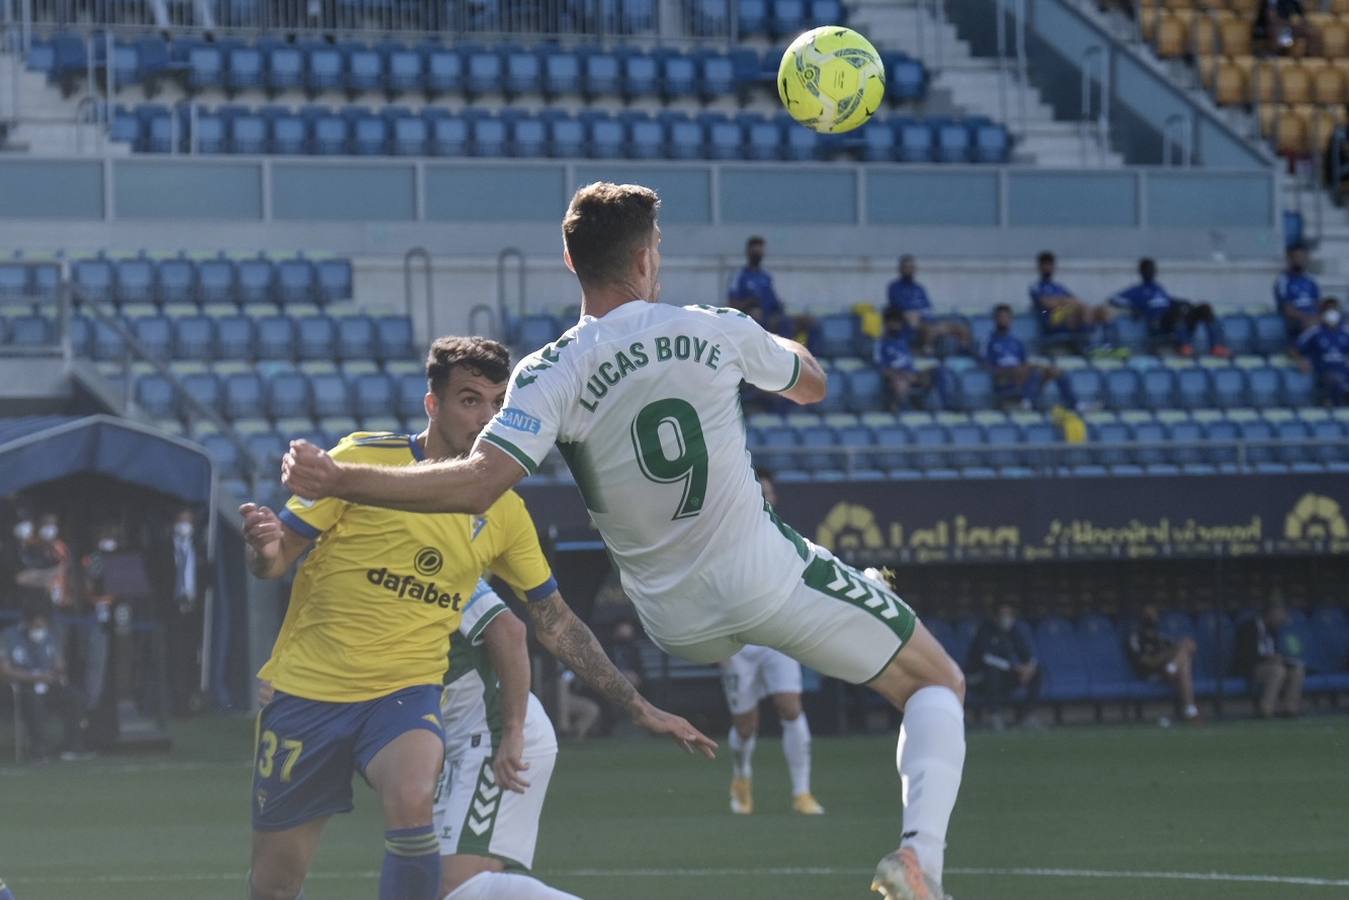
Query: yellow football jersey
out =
(373, 606)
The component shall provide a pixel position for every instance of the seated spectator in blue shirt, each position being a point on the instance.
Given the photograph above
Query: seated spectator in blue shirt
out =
(1297, 296)
(908, 297)
(751, 291)
(1012, 371)
(894, 358)
(1324, 349)
(31, 659)
(1057, 309)
(1167, 315)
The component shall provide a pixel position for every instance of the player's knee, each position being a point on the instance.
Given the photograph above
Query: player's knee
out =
(788, 706)
(408, 804)
(275, 886)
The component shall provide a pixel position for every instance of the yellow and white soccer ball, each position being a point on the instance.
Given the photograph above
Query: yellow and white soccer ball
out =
(831, 79)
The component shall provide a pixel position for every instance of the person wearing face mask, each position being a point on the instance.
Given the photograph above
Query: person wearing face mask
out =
(43, 558)
(30, 657)
(1158, 655)
(1002, 668)
(1324, 350)
(95, 611)
(183, 568)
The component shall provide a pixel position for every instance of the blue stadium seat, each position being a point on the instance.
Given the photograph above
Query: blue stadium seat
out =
(1193, 387)
(449, 136)
(155, 334)
(890, 442)
(244, 70)
(1123, 389)
(752, 16)
(1229, 388)
(14, 281)
(607, 139)
(95, 279)
(1112, 433)
(289, 134)
(125, 128)
(1264, 387)
(355, 338)
(600, 74)
(877, 140)
(444, 72)
(372, 395)
(205, 68)
(679, 77)
(332, 280)
(685, 136)
(906, 79)
(646, 138)
(764, 140)
(411, 395)
(256, 276)
(135, 280)
(953, 142)
(914, 140)
(1298, 387)
(224, 454)
(1333, 446)
(826, 12)
(365, 70)
(316, 338)
(523, 72)
(194, 337)
(1150, 433)
(992, 144)
(1004, 436)
(1109, 675)
(1331, 626)
(487, 136)
(285, 68)
(777, 442)
(245, 395)
(866, 390)
(393, 338)
(325, 69)
(234, 337)
(1065, 667)
(803, 144)
(247, 134)
(528, 136)
(974, 390)
(857, 439)
(561, 73)
(641, 75)
(409, 137)
(1271, 334)
(716, 76)
(407, 71)
(205, 388)
(1257, 432)
(1216, 434)
(275, 337)
(836, 335)
(724, 137)
(1239, 333)
(483, 71)
(1288, 432)
(967, 461)
(330, 395)
(1088, 385)
(930, 437)
(331, 135)
(566, 138)
(369, 134)
(788, 18)
(837, 392)
(820, 439)
(154, 394)
(30, 331)
(208, 133)
(288, 395)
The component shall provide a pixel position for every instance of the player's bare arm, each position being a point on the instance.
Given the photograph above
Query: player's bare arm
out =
(571, 641)
(505, 640)
(272, 547)
(812, 384)
(468, 485)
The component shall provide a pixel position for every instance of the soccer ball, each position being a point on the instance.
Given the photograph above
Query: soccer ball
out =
(831, 79)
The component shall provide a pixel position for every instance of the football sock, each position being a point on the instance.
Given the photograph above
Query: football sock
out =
(5, 893)
(796, 747)
(411, 868)
(251, 892)
(506, 886)
(742, 754)
(931, 755)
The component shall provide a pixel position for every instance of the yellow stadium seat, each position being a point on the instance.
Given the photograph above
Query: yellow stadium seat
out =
(1290, 134)
(1229, 87)
(1262, 81)
(1236, 36)
(1170, 39)
(1339, 7)
(1295, 85)
(1147, 22)
(1320, 126)
(1328, 87)
(1335, 40)
(1268, 115)
(1205, 34)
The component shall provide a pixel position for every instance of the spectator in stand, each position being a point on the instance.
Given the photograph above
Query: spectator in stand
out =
(577, 713)
(1297, 296)
(894, 359)
(1276, 679)
(910, 298)
(752, 292)
(90, 636)
(180, 561)
(623, 650)
(1011, 369)
(1167, 315)
(1280, 25)
(1002, 667)
(30, 658)
(1058, 311)
(1157, 655)
(1324, 349)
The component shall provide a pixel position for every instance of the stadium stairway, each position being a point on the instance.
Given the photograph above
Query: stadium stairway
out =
(48, 123)
(970, 84)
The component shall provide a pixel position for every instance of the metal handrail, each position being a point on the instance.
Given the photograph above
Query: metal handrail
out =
(422, 254)
(482, 309)
(1095, 58)
(133, 346)
(503, 305)
(1184, 123)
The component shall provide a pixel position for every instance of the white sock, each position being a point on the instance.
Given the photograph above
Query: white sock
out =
(506, 886)
(742, 754)
(931, 755)
(796, 747)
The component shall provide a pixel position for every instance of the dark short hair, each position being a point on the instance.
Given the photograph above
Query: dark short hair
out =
(605, 224)
(1293, 248)
(1001, 307)
(909, 257)
(1045, 257)
(754, 239)
(1147, 261)
(763, 473)
(1328, 302)
(479, 355)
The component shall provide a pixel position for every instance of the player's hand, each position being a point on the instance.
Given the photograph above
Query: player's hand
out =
(508, 762)
(658, 721)
(265, 692)
(262, 531)
(308, 471)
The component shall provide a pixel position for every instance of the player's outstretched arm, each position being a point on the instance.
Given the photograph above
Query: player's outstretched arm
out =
(272, 547)
(505, 640)
(571, 641)
(812, 384)
(468, 485)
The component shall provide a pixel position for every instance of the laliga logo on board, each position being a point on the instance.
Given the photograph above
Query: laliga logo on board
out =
(846, 525)
(1315, 517)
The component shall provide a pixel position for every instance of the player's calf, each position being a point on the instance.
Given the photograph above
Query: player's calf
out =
(404, 774)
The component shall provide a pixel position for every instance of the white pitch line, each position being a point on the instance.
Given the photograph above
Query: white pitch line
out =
(730, 872)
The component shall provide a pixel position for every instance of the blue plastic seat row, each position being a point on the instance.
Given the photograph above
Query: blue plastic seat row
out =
(255, 280)
(287, 395)
(1162, 450)
(399, 131)
(784, 18)
(238, 337)
(22, 280)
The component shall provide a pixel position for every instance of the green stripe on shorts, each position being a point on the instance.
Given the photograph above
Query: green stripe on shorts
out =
(842, 582)
(481, 819)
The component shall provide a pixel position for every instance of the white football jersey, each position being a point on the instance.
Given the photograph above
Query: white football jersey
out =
(468, 703)
(644, 404)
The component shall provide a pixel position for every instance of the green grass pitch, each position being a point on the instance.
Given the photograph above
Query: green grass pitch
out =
(637, 818)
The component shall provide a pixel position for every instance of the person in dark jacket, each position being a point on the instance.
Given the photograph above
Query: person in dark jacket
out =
(1275, 678)
(1158, 655)
(1002, 667)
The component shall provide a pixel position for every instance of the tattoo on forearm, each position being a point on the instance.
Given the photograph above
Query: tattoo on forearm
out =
(576, 646)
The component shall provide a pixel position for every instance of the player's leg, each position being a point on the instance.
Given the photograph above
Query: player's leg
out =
(781, 676)
(281, 860)
(1268, 683)
(1296, 674)
(740, 683)
(5, 892)
(401, 750)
